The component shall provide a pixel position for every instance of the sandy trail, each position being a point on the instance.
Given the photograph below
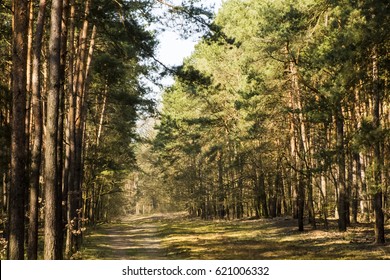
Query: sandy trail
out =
(133, 238)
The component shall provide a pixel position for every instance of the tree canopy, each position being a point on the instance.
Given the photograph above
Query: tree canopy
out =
(287, 117)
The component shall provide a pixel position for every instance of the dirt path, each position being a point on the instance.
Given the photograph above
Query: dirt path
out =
(134, 238)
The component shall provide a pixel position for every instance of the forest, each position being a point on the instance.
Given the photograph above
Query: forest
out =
(281, 113)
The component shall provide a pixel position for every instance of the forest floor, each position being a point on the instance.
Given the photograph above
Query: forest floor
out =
(175, 236)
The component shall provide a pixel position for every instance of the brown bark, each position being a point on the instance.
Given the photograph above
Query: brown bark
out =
(378, 194)
(342, 195)
(77, 116)
(29, 77)
(80, 97)
(36, 154)
(301, 202)
(298, 131)
(70, 153)
(19, 180)
(102, 114)
(52, 249)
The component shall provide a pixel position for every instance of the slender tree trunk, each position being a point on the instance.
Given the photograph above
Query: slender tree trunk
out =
(293, 169)
(19, 182)
(324, 195)
(301, 202)
(342, 221)
(299, 140)
(80, 98)
(28, 126)
(221, 189)
(102, 114)
(76, 130)
(36, 153)
(71, 207)
(378, 193)
(355, 199)
(256, 196)
(62, 194)
(262, 194)
(310, 203)
(52, 235)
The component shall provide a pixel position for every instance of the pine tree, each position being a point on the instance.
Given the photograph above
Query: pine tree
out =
(19, 180)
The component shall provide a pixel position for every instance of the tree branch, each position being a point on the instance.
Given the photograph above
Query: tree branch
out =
(168, 4)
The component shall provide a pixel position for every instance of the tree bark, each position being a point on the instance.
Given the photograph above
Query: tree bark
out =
(52, 235)
(19, 182)
(36, 154)
(76, 129)
(378, 194)
(80, 98)
(342, 196)
(298, 136)
(69, 168)
(29, 83)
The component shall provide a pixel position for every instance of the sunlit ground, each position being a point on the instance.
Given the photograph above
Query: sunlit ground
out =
(179, 237)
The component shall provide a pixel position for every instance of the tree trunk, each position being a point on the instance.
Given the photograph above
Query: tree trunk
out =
(378, 193)
(355, 188)
(80, 98)
(324, 195)
(342, 220)
(293, 169)
(36, 153)
(221, 189)
(62, 193)
(301, 202)
(76, 128)
(19, 182)
(28, 126)
(52, 235)
(70, 159)
(298, 135)
(310, 202)
(262, 195)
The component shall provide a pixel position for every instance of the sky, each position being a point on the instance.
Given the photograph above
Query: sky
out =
(171, 52)
(173, 49)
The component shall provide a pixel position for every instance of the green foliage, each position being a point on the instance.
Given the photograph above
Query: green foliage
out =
(117, 97)
(368, 134)
(259, 98)
(190, 18)
(123, 25)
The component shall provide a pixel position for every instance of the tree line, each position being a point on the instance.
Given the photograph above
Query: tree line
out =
(282, 110)
(72, 85)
